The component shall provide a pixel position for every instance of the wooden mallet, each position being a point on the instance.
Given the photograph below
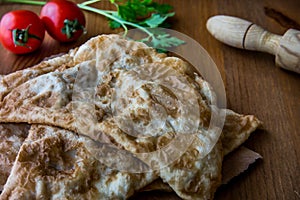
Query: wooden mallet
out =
(247, 35)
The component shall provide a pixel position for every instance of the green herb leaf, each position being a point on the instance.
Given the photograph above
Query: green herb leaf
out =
(161, 40)
(166, 41)
(137, 10)
(113, 24)
(127, 12)
(157, 19)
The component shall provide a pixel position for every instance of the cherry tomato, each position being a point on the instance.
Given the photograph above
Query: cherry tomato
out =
(64, 20)
(21, 31)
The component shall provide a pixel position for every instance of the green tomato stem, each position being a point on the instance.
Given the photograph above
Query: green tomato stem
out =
(21, 36)
(71, 27)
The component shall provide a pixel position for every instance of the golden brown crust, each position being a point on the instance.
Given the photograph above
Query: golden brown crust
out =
(10, 81)
(11, 138)
(116, 103)
(194, 177)
(54, 163)
(237, 129)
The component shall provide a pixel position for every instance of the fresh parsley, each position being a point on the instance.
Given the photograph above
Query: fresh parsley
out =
(144, 15)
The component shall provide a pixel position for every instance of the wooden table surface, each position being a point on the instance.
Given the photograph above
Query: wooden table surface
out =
(253, 86)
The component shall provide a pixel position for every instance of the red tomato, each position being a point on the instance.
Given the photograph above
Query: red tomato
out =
(21, 31)
(63, 20)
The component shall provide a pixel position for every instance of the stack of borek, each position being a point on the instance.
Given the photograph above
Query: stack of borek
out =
(103, 122)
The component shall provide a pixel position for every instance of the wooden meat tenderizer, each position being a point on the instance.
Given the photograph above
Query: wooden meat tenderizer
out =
(247, 35)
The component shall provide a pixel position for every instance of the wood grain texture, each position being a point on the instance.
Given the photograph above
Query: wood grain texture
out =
(286, 13)
(253, 84)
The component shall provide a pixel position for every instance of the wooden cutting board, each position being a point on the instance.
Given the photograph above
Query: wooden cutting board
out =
(253, 85)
